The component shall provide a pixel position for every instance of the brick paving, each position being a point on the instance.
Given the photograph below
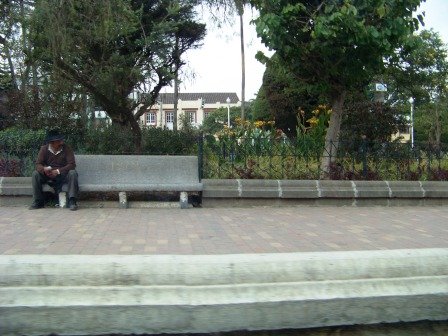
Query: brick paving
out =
(220, 230)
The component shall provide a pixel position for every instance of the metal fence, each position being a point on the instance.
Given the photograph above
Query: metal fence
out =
(301, 159)
(267, 158)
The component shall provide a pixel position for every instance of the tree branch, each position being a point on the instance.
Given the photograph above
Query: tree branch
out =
(73, 74)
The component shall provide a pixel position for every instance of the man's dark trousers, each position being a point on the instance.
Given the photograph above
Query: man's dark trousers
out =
(39, 179)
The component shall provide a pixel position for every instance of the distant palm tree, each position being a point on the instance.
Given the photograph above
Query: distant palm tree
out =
(239, 4)
(227, 7)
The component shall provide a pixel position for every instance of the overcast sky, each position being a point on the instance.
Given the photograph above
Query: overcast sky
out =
(217, 64)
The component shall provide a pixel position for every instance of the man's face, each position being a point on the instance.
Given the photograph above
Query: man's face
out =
(57, 144)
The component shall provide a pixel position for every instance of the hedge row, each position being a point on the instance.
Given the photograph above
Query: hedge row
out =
(19, 147)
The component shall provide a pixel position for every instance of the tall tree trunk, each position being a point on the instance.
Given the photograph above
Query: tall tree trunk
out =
(122, 115)
(243, 64)
(12, 71)
(332, 136)
(136, 133)
(36, 101)
(438, 127)
(25, 73)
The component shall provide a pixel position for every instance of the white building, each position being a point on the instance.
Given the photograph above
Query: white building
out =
(196, 106)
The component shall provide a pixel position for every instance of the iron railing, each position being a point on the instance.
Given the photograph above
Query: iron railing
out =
(268, 158)
(302, 159)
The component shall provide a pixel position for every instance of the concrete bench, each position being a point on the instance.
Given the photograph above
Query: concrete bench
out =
(126, 173)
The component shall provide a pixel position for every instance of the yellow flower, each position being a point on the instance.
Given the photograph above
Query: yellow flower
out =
(259, 123)
(313, 121)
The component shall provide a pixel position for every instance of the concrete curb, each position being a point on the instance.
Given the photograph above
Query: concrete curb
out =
(304, 189)
(234, 192)
(80, 295)
(314, 189)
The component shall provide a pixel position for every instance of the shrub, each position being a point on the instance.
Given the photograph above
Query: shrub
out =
(107, 139)
(439, 175)
(110, 139)
(10, 167)
(165, 142)
(21, 141)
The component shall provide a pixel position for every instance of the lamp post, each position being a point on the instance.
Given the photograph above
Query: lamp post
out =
(411, 101)
(228, 112)
(160, 119)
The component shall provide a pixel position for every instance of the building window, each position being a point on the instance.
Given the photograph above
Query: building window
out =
(169, 117)
(206, 114)
(191, 117)
(151, 118)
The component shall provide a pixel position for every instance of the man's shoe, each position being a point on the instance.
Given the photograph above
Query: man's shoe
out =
(72, 204)
(36, 205)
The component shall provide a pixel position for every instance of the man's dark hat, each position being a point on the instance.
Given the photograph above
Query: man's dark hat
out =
(53, 135)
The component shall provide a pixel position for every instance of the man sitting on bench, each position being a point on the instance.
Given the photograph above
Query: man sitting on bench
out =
(55, 165)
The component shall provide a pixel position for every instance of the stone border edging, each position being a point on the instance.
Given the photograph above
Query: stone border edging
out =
(241, 188)
(71, 295)
(315, 189)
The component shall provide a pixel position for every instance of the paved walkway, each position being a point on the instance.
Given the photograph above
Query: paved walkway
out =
(220, 230)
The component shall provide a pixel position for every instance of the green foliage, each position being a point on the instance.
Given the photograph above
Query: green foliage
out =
(281, 96)
(217, 120)
(261, 106)
(371, 121)
(19, 147)
(111, 47)
(164, 141)
(19, 141)
(18, 150)
(334, 46)
(299, 159)
(431, 121)
(310, 133)
(420, 70)
(110, 139)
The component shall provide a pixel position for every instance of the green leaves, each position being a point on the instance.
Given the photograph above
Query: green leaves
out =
(339, 44)
(381, 11)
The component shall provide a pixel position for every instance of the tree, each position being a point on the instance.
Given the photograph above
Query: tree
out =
(334, 46)
(420, 70)
(10, 28)
(19, 75)
(113, 47)
(217, 120)
(284, 96)
(227, 8)
(372, 121)
(239, 4)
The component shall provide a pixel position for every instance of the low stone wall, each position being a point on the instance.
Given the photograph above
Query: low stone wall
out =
(91, 295)
(15, 186)
(287, 192)
(323, 192)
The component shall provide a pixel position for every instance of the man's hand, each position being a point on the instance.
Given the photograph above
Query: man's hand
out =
(48, 171)
(54, 173)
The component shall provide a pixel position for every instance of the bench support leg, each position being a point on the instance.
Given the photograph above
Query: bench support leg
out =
(183, 200)
(123, 200)
(62, 199)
